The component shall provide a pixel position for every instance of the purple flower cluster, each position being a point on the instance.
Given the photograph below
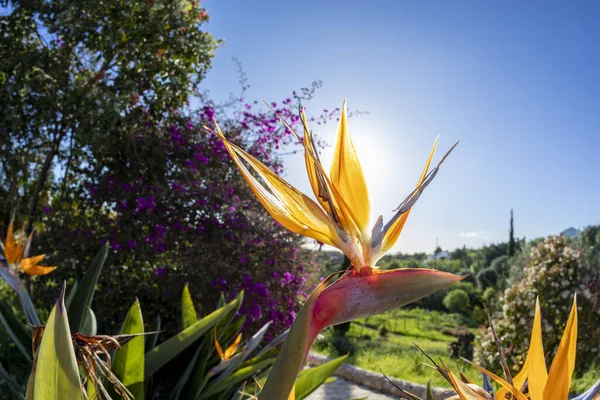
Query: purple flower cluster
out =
(181, 201)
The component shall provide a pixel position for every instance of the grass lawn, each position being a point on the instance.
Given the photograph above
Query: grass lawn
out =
(395, 355)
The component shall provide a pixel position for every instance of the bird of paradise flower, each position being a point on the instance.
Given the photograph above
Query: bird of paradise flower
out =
(340, 218)
(534, 381)
(16, 257)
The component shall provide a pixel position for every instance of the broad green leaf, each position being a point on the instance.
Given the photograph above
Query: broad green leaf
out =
(17, 332)
(165, 352)
(312, 378)
(56, 375)
(188, 312)
(281, 379)
(237, 378)
(85, 291)
(128, 362)
(89, 326)
(30, 383)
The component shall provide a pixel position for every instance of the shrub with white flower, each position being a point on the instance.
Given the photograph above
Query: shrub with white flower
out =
(555, 273)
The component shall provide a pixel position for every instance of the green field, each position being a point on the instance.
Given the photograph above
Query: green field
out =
(395, 354)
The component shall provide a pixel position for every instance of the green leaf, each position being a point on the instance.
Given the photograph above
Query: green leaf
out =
(128, 362)
(16, 330)
(71, 295)
(153, 338)
(312, 378)
(237, 378)
(188, 312)
(13, 385)
(430, 395)
(84, 295)
(165, 352)
(228, 366)
(56, 375)
(89, 326)
(281, 379)
(181, 383)
(198, 375)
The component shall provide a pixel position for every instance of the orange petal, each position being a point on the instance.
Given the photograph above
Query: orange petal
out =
(347, 174)
(11, 252)
(287, 205)
(311, 158)
(537, 375)
(231, 349)
(561, 370)
(36, 270)
(217, 345)
(391, 236)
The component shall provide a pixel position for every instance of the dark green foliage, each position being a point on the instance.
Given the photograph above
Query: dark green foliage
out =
(487, 278)
(457, 301)
(500, 265)
(79, 76)
(490, 298)
(469, 277)
(511, 237)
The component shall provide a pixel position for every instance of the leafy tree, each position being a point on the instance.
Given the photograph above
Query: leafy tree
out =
(457, 301)
(79, 76)
(98, 144)
(487, 278)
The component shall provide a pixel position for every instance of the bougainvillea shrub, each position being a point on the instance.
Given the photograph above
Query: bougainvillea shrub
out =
(555, 272)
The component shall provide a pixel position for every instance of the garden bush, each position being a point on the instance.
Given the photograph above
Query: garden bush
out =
(554, 273)
(457, 301)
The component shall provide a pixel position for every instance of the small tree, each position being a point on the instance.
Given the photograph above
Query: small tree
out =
(457, 301)
(511, 236)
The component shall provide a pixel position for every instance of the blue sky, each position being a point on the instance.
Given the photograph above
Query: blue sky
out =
(517, 82)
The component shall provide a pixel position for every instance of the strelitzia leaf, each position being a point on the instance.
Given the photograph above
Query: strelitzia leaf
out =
(281, 379)
(165, 352)
(11, 383)
(236, 378)
(57, 376)
(84, 294)
(89, 326)
(312, 378)
(198, 377)
(71, 295)
(183, 379)
(17, 332)
(153, 338)
(128, 362)
(188, 312)
(430, 395)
